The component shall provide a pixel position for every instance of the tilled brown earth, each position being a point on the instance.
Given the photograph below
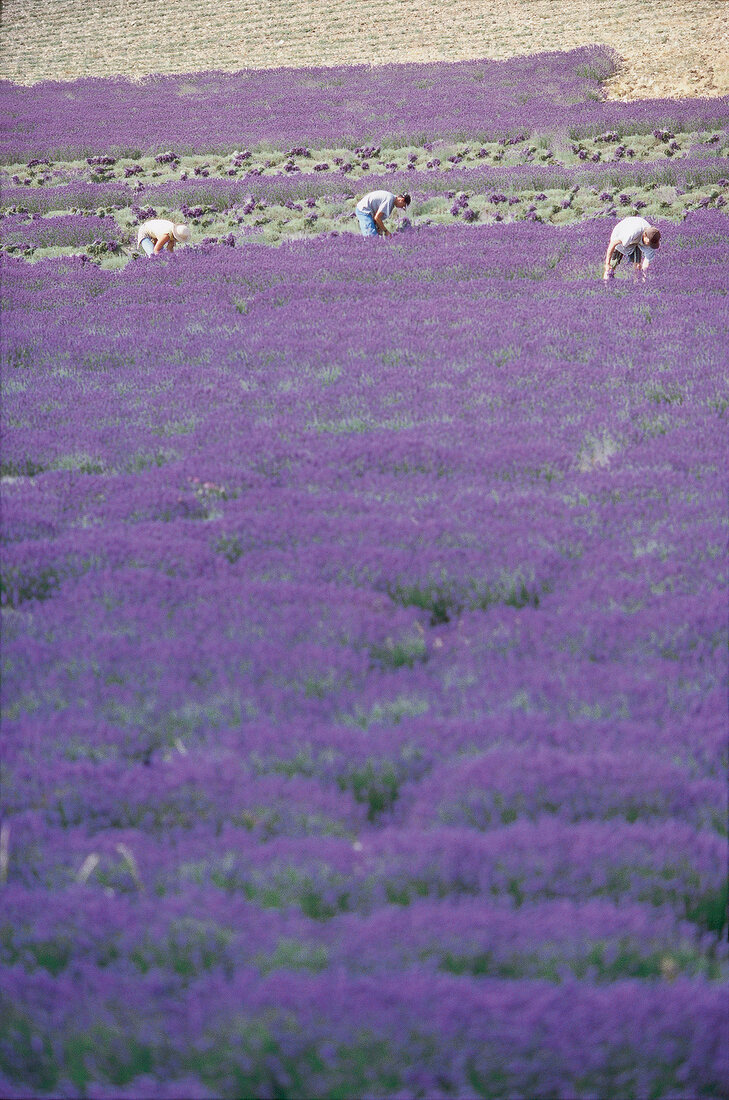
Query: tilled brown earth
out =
(668, 47)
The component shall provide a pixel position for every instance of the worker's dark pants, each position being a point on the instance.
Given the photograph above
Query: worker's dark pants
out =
(633, 254)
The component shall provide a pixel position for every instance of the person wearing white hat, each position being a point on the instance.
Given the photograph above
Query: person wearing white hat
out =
(159, 233)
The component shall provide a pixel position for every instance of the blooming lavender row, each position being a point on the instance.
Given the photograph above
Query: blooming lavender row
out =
(325, 106)
(503, 785)
(69, 230)
(392, 733)
(306, 1035)
(670, 865)
(596, 939)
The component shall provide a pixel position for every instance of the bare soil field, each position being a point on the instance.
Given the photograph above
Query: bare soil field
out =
(668, 47)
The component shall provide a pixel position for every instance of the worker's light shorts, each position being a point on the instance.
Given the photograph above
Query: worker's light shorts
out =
(366, 223)
(147, 246)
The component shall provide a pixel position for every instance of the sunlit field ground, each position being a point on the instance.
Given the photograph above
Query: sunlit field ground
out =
(667, 47)
(364, 644)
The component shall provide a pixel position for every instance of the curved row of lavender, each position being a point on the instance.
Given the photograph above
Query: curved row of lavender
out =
(215, 111)
(365, 670)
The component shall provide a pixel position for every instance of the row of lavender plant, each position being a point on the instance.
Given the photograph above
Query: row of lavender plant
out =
(231, 211)
(608, 148)
(397, 104)
(391, 734)
(222, 194)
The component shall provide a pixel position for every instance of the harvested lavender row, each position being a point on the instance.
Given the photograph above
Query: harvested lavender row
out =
(229, 212)
(224, 194)
(658, 148)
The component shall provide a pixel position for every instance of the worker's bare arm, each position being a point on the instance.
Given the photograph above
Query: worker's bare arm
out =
(380, 224)
(609, 254)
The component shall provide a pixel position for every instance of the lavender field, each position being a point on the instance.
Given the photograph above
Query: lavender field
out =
(364, 602)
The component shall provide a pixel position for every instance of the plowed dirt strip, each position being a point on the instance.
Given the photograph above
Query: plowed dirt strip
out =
(668, 47)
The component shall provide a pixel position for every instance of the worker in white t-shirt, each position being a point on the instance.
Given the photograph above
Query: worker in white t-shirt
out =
(635, 238)
(372, 210)
(159, 233)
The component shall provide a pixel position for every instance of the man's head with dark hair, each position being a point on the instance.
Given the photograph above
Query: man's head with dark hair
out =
(652, 237)
(402, 201)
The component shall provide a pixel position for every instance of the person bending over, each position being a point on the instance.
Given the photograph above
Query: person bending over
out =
(372, 210)
(635, 238)
(159, 233)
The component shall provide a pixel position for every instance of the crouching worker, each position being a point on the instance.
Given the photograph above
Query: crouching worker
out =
(159, 233)
(635, 238)
(372, 210)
